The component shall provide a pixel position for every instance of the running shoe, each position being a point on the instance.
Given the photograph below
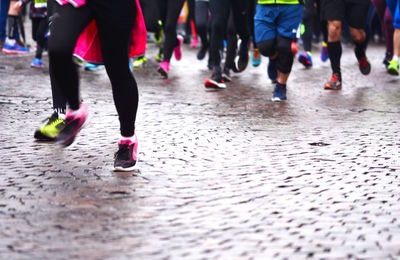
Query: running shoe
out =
(272, 70)
(364, 65)
(92, 67)
(215, 82)
(226, 75)
(77, 60)
(37, 63)
(242, 59)
(305, 59)
(178, 48)
(202, 52)
(255, 58)
(12, 47)
(279, 93)
(334, 83)
(387, 59)
(125, 158)
(393, 68)
(51, 129)
(160, 55)
(195, 43)
(324, 52)
(74, 121)
(140, 62)
(163, 69)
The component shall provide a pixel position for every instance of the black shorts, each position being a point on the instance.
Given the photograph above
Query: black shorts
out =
(354, 12)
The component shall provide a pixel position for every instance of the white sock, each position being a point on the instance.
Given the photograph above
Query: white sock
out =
(395, 58)
(10, 41)
(128, 138)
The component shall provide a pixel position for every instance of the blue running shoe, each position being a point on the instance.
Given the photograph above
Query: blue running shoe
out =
(272, 70)
(324, 52)
(37, 63)
(14, 48)
(92, 67)
(279, 93)
(305, 59)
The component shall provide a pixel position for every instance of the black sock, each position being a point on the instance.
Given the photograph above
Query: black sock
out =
(335, 53)
(360, 49)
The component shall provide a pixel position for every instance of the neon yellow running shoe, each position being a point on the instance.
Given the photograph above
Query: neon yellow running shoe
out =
(160, 55)
(393, 68)
(140, 62)
(51, 129)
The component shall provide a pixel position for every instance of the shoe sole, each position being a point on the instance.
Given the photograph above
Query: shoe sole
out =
(14, 52)
(331, 88)
(393, 72)
(214, 85)
(277, 99)
(240, 67)
(163, 73)
(43, 138)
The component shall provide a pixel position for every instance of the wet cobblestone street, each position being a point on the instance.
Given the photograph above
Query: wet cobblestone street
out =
(222, 174)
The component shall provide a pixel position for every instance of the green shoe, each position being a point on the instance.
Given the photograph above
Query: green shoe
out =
(51, 129)
(140, 62)
(160, 55)
(393, 67)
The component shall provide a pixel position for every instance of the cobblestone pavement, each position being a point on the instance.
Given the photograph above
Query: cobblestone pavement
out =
(223, 174)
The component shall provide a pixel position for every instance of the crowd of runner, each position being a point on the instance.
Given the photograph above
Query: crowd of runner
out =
(229, 34)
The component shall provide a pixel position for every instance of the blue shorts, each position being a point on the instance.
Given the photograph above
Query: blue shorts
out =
(277, 19)
(394, 7)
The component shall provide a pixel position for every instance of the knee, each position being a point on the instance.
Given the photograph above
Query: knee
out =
(334, 31)
(358, 35)
(267, 48)
(285, 55)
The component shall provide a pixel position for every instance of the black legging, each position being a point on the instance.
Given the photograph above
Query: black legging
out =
(151, 13)
(59, 100)
(201, 18)
(219, 17)
(39, 27)
(308, 18)
(114, 22)
(171, 10)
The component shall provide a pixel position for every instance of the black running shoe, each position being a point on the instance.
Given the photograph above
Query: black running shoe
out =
(202, 52)
(126, 156)
(364, 65)
(226, 74)
(242, 60)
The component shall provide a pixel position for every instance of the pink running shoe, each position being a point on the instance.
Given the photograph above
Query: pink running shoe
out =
(164, 69)
(74, 121)
(178, 48)
(126, 156)
(195, 43)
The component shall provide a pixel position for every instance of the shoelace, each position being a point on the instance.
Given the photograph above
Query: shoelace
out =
(122, 152)
(56, 122)
(334, 78)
